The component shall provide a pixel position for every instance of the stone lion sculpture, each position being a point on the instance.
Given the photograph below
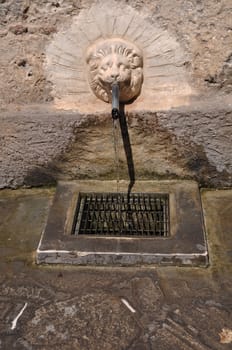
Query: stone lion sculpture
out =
(115, 60)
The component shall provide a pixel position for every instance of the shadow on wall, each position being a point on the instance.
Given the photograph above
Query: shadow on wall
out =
(147, 151)
(41, 176)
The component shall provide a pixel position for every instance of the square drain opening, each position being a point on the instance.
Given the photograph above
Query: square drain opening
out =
(123, 215)
(160, 222)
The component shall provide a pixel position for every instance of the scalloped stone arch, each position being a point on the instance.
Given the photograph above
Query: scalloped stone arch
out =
(165, 79)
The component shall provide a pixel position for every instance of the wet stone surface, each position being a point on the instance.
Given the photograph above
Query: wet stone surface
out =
(112, 308)
(186, 245)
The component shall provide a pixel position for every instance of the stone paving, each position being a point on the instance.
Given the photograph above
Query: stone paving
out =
(62, 307)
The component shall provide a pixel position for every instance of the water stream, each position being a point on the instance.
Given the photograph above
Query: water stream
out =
(120, 131)
(116, 136)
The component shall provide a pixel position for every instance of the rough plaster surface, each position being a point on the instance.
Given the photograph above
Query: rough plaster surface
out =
(43, 146)
(40, 144)
(202, 28)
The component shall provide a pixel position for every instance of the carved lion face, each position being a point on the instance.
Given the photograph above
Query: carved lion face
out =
(115, 60)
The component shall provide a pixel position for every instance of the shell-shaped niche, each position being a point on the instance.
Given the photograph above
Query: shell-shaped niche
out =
(161, 77)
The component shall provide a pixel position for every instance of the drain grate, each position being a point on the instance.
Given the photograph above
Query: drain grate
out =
(117, 214)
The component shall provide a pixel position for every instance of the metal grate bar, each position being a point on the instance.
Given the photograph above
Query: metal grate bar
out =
(117, 214)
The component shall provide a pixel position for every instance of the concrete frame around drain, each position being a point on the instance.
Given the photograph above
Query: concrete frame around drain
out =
(186, 245)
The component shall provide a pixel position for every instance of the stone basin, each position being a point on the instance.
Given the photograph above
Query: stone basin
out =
(185, 246)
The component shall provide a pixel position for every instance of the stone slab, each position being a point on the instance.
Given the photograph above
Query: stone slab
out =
(74, 307)
(186, 245)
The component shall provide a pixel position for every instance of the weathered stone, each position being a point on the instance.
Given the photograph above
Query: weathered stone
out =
(115, 61)
(186, 93)
(104, 313)
(18, 29)
(42, 146)
(83, 308)
(155, 58)
(185, 245)
(202, 29)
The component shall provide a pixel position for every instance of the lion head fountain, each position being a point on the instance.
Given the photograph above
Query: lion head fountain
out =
(115, 61)
(105, 45)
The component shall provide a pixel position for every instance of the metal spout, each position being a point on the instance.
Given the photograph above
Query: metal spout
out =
(115, 101)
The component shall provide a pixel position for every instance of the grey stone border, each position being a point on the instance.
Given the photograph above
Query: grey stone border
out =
(186, 245)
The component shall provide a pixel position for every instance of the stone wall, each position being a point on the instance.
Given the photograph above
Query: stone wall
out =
(44, 139)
